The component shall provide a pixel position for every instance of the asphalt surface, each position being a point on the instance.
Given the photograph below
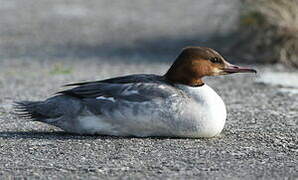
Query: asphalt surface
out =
(45, 44)
(259, 140)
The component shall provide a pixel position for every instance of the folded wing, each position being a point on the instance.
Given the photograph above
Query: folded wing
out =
(128, 91)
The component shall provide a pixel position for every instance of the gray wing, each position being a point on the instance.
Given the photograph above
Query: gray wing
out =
(117, 97)
(134, 108)
(119, 87)
(126, 92)
(136, 78)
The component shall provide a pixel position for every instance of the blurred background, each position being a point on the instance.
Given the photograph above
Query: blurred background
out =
(261, 31)
(59, 28)
(63, 37)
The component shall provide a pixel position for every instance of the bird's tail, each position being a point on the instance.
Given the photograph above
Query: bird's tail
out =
(29, 110)
(49, 111)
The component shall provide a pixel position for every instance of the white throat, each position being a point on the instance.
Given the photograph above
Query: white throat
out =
(202, 94)
(208, 109)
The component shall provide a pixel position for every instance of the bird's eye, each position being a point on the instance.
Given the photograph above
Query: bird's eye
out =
(215, 60)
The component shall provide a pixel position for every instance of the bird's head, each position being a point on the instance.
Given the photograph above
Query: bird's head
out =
(193, 63)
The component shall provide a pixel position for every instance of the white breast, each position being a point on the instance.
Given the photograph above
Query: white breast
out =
(208, 110)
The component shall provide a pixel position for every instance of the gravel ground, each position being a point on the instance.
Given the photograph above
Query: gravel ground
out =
(258, 141)
(45, 44)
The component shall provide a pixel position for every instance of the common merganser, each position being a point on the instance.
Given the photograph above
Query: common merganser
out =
(177, 104)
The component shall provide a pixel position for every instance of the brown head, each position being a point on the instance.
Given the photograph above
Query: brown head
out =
(194, 63)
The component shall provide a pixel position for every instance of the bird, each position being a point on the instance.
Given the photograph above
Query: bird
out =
(176, 104)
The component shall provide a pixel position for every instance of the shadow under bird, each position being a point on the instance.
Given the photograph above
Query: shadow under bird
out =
(177, 104)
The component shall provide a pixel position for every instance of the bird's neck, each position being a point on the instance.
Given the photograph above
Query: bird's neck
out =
(178, 76)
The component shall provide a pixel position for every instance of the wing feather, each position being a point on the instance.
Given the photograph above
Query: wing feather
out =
(122, 80)
(133, 88)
